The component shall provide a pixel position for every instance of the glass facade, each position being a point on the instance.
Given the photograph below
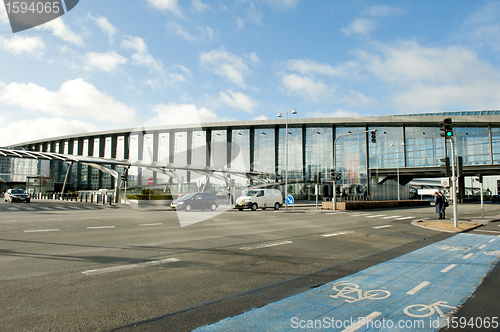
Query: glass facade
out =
(262, 147)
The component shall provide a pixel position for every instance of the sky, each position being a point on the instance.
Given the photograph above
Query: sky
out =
(118, 64)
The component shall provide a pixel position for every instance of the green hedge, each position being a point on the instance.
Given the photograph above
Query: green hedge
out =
(154, 197)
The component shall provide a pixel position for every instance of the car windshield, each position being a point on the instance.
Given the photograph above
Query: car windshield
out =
(17, 191)
(187, 196)
(251, 192)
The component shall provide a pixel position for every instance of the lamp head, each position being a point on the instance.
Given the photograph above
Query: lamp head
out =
(294, 111)
(279, 115)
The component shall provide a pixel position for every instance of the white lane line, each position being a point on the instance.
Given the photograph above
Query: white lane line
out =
(448, 268)
(385, 226)
(336, 212)
(492, 240)
(362, 321)
(29, 209)
(159, 223)
(479, 230)
(13, 209)
(129, 266)
(41, 230)
(377, 215)
(100, 227)
(417, 288)
(266, 245)
(335, 234)
(391, 217)
(45, 208)
(61, 208)
(405, 218)
(483, 246)
(467, 256)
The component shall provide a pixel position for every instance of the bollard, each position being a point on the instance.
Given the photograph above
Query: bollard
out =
(110, 200)
(104, 198)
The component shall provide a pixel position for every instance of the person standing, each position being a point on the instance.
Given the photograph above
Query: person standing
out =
(438, 202)
(444, 204)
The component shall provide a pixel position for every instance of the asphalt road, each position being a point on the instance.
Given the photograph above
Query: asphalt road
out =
(70, 266)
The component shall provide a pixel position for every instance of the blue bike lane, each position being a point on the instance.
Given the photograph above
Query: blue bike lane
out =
(413, 292)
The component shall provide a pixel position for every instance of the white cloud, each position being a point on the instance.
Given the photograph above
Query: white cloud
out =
(307, 87)
(142, 57)
(483, 26)
(105, 26)
(62, 31)
(186, 70)
(238, 100)
(168, 5)
(226, 64)
(382, 10)
(261, 117)
(360, 26)
(308, 67)
(200, 6)
(40, 128)
(75, 98)
(107, 62)
(201, 34)
(19, 44)
(181, 114)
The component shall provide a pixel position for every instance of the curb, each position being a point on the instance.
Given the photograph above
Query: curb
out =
(416, 223)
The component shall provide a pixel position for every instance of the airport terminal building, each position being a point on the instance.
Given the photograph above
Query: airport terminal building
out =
(185, 158)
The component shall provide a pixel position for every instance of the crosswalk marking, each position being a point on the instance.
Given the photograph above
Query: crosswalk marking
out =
(390, 217)
(377, 215)
(404, 218)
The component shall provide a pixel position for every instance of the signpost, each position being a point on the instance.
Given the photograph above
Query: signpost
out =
(289, 201)
(151, 181)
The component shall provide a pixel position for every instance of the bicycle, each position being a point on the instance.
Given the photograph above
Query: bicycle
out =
(428, 309)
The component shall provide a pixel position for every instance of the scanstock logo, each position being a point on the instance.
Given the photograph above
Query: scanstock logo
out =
(26, 14)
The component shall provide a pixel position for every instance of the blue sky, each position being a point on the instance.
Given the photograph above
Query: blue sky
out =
(117, 64)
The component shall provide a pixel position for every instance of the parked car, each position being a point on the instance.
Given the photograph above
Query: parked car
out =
(16, 195)
(260, 198)
(495, 199)
(196, 201)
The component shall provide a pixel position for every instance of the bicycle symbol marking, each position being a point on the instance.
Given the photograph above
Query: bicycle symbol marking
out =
(424, 310)
(492, 253)
(446, 247)
(353, 293)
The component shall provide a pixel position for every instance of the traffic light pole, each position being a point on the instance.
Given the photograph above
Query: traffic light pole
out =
(334, 198)
(454, 184)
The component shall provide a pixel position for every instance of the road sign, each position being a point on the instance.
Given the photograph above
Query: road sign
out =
(445, 182)
(151, 181)
(289, 200)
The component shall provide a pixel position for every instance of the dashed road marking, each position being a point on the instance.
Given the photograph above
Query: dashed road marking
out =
(391, 217)
(362, 322)
(417, 288)
(266, 245)
(335, 234)
(45, 208)
(405, 218)
(492, 240)
(377, 215)
(448, 268)
(40, 230)
(100, 227)
(129, 266)
(384, 226)
(13, 209)
(158, 223)
(483, 246)
(29, 209)
(468, 256)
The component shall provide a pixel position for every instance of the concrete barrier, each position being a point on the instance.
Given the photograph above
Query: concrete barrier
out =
(356, 205)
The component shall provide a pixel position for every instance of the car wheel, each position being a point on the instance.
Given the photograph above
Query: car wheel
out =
(240, 209)
(213, 207)
(254, 207)
(188, 208)
(276, 206)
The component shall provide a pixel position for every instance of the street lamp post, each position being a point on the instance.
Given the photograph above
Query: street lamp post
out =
(397, 168)
(286, 152)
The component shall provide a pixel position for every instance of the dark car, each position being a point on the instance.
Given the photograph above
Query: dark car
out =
(495, 199)
(196, 201)
(16, 195)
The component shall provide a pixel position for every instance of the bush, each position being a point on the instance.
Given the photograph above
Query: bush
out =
(154, 197)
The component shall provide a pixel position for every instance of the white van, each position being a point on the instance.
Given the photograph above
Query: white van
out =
(259, 198)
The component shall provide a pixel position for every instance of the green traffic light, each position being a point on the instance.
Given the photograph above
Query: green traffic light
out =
(449, 133)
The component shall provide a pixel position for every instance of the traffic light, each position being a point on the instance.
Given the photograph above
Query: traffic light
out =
(446, 128)
(332, 174)
(338, 177)
(374, 138)
(480, 178)
(447, 168)
(125, 175)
